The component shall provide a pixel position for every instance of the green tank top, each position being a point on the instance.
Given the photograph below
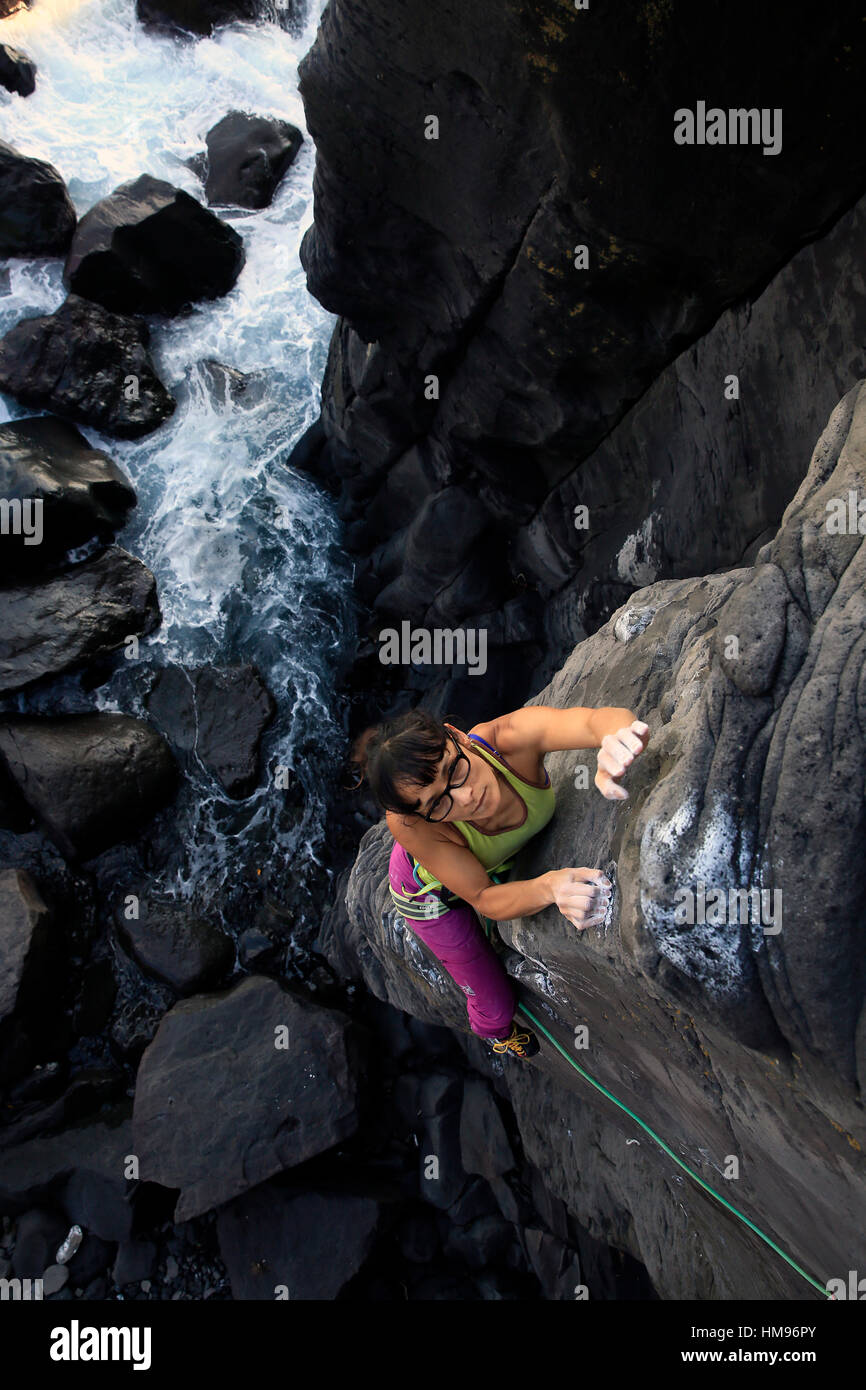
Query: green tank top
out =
(496, 852)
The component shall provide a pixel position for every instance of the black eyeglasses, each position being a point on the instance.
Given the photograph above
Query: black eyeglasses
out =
(456, 777)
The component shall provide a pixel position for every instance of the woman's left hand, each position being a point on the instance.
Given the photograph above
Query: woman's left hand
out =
(617, 753)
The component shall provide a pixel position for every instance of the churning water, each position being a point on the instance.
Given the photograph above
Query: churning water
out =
(245, 552)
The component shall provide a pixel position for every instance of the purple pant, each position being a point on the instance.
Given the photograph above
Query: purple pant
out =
(459, 944)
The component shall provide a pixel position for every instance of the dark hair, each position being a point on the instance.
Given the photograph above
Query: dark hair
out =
(408, 748)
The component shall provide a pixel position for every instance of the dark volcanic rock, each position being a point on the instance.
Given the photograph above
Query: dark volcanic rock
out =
(36, 213)
(185, 952)
(201, 17)
(89, 364)
(17, 71)
(83, 1167)
(213, 1131)
(741, 1032)
(77, 616)
(150, 248)
(279, 1243)
(219, 713)
(93, 779)
(31, 974)
(247, 157)
(82, 491)
(454, 258)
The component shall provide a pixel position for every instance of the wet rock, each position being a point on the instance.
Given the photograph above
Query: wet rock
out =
(88, 364)
(32, 955)
(17, 71)
(37, 217)
(93, 779)
(149, 248)
(82, 1167)
(247, 157)
(37, 1237)
(83, 493)
(216, 1133)
(202, 17)
(184, 952)
(280, 1243)
(77, 617)
(219, 713)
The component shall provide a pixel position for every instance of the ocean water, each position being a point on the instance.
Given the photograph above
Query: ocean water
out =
(245, 552)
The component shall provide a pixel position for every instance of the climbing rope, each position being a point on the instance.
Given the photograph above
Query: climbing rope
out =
(719, 1198)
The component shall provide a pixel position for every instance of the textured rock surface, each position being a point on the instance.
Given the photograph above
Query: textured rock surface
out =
(246, 158)
(201, 17)
(89, 364)
(36, 213)
(76, 616)
(741, 1034)
(17, 71)
(185, 952)
(218, 715)
(215, 1131)
(455, 257)
(94, 780)
(82, 491)
(149, 248)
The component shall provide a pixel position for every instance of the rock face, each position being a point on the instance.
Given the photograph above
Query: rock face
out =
(17, 71)
(724, 994)
(247, 157)
(36, 213)
(277, 1098)
(31, 967)
(458, 258)
(93, 779)
(277, 1240)
(218, 715)
(81, 490)
(149, 248)
(75, 617)
(89, 364)
(185, 953)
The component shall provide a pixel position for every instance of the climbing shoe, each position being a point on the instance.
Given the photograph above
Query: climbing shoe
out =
(522, 1043)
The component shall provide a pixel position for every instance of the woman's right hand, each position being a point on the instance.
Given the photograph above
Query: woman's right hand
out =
(582, 895)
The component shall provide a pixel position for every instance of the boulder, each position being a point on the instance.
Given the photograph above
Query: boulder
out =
(32, 959)
(89, 364)
(37, 1237)
(247, 157)
(285, 1090)
(93, 779)
(76, 617)
(218, 714)
(82, 491)
(149, 248)
(17, 71)
(201, 17)
(36, 213)
(184, 952)
(81, 1169)
(279, 1243)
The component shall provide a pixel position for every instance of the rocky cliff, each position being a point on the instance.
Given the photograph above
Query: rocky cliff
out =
(543, 306)
(723, 997)
(578, 375)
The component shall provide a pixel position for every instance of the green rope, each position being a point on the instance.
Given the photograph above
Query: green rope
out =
(487, 924)
(719, 1198)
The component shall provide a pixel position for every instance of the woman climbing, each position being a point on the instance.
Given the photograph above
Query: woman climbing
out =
(460, 806)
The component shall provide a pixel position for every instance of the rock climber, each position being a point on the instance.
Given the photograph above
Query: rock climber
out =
(459, 807)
